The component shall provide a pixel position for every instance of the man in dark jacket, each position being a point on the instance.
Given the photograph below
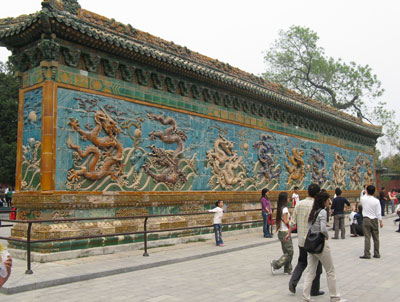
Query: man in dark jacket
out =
(338, 213)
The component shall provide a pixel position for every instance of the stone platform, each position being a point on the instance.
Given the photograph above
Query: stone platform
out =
(202, 272)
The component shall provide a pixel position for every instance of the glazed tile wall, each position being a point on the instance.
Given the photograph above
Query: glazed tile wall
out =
(152, 149)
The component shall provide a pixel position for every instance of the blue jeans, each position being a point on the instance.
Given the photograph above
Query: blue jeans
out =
(265, 224)
(218, 235)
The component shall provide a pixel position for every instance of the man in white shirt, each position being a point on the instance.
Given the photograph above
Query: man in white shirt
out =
(371, 214)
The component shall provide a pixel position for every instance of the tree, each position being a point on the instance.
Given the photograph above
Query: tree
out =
(296, 62)
(8, 123)
(392, 163)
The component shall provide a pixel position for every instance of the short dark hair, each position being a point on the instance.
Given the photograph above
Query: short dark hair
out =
(264, 192)
(338, 192)
(370, 190)
(296, 188)
(313, 190)
(217, 202)
(383, 188)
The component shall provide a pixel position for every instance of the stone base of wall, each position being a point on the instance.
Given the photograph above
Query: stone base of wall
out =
(112, 249)
(67, 205)
(58, 206)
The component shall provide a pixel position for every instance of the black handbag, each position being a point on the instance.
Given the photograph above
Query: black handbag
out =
(315, 242)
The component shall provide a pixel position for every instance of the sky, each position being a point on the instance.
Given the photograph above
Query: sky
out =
(238, 32)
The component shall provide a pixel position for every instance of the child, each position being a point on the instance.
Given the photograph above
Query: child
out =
(219, 212)
(295, 196)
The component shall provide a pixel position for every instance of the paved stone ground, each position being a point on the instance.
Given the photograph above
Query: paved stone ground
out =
(242, 275)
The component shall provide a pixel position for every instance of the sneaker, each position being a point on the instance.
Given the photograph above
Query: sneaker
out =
(220, 245)
(272, 268)
(287, 273)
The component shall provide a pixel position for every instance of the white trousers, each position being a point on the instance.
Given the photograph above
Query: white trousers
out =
(326, 259)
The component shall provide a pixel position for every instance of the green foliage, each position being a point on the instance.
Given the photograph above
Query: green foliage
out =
(8, 123)
(392, 163)
(297, 62)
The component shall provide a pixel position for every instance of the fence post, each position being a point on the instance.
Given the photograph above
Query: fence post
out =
(28, 250)
(145, 237)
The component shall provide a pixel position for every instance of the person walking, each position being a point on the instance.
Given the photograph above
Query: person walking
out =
(300, 218)
(266, 211)
(337, 209)
(6, 190)
(371, 215)
(382, 200)
(318, 213)
(9, 196)
(217, 222)
(282, 222)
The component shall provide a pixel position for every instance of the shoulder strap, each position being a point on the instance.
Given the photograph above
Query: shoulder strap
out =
(316, 215)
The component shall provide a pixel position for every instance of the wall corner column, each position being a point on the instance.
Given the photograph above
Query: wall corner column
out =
(47, 176)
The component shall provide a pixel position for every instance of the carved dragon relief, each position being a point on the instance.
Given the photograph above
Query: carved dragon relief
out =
(318, 167)
(229, 172)
(266, 167)
(106, 152)
(297, 170)
(355, 173)
(368, 175)
(339, 171)
(166, 160)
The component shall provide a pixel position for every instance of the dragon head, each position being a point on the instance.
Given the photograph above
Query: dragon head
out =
(226, 146)
(108, 124)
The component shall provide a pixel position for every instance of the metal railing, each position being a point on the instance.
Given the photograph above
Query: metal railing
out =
(29, 241)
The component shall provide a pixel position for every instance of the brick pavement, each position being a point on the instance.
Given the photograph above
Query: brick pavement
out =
(241, 275)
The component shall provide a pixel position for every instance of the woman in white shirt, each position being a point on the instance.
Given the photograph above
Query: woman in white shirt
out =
(282, 222)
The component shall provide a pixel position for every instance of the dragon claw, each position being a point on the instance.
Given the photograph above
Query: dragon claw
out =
(74, 123)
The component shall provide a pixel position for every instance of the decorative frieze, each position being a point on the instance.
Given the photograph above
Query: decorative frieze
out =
(110, 67)
(50, 49)
(71, 56)
(91, 62)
